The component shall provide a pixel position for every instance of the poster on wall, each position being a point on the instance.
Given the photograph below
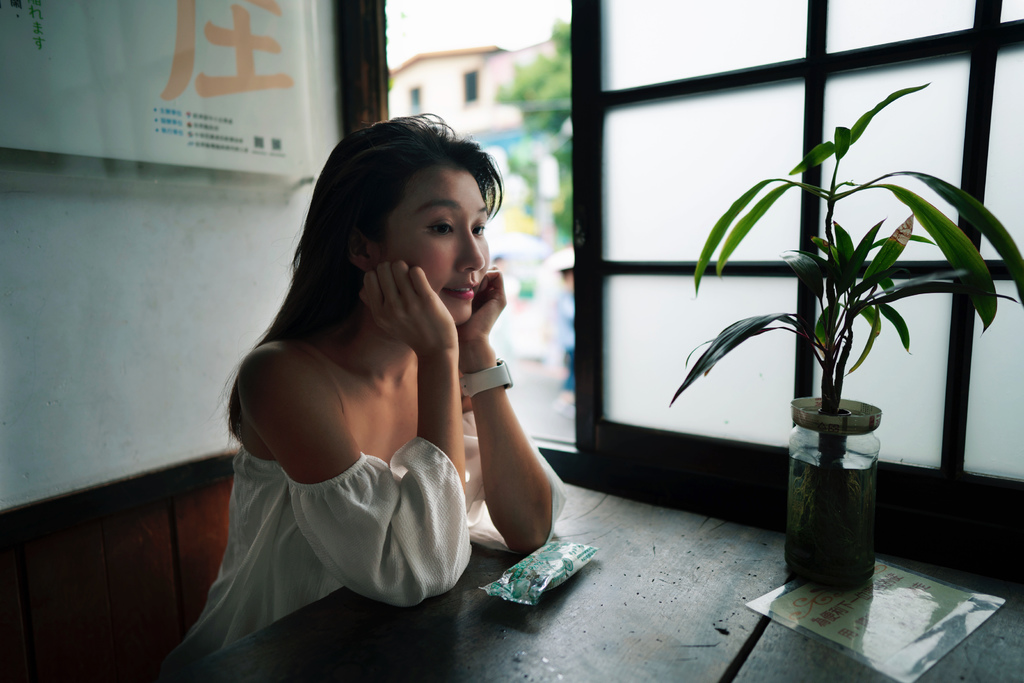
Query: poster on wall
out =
(216, 84)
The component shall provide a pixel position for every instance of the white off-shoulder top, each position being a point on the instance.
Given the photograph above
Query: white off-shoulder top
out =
(397, 533)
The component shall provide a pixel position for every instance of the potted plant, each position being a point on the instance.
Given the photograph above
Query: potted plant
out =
(833, 452)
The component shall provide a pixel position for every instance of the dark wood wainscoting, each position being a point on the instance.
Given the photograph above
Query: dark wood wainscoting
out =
(100, 585)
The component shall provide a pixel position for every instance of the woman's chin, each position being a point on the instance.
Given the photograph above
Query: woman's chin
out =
(461, 313)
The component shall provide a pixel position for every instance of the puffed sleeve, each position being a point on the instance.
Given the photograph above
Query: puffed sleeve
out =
(395, 534)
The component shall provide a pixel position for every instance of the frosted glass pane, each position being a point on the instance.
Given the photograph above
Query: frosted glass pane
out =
(1013, 10)
(1006, 151)
(673, 168)
(995, 431)
(652, 324)
(909, 388)
(860, 23)
(923, 131)
(653, 41)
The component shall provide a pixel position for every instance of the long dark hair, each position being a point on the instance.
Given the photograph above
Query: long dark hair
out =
(363, 181)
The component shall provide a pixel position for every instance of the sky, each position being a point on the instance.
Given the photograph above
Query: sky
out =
(416, 26)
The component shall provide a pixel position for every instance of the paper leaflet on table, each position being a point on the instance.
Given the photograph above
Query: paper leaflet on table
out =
(900, 624)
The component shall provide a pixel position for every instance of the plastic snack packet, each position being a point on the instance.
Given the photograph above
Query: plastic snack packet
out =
(545, 568)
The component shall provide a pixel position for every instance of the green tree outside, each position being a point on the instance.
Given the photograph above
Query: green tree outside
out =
(542, 90)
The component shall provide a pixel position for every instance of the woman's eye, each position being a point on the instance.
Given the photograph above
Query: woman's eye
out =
(479, 230)
(441, 228)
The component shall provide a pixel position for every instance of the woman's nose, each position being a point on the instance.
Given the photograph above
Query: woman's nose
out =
(474, 253)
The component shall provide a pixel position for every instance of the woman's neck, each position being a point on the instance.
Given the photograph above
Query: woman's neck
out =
(359, 346)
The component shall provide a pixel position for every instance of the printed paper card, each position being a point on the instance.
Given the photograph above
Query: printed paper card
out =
(900, 623)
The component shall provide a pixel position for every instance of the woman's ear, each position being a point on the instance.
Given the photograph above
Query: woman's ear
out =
(363, 253)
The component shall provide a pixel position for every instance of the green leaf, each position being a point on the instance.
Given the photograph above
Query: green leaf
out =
(852, 267)
(720, 228)
(870, 314)
(897, 321)
(876, 328)
(842, 142)
(808, 270)
(813, 189)
(819, 328)
(864, 120)
(926, 284)
(814, 157)
(826, 266)
(744, 224)
(828, 250)
(844, 243)
(956, 247)
(883, 280)
(913, 238)
(975, 213)
(892, 248)
(731, 337)
(814, 257)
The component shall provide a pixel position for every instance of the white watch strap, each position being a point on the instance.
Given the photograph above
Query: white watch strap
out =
(498, 376)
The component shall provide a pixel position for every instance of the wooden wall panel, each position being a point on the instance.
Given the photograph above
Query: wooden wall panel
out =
(67, 586)
(13, 644)
(364, 67)
(201, 519)
(143, 594)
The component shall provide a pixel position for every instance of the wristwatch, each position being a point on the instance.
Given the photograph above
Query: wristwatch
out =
(475, 382)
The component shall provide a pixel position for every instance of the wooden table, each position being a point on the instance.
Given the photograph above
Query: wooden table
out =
(663, 600)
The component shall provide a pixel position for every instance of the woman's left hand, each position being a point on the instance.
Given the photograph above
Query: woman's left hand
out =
(488, 303)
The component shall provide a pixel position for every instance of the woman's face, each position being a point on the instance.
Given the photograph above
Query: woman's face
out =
(439, 226)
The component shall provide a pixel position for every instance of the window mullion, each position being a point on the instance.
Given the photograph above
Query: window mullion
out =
(810, 209)
(978, 124)
(587, 117)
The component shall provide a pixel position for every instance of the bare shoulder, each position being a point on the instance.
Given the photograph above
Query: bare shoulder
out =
(279, 366)
(289, 399)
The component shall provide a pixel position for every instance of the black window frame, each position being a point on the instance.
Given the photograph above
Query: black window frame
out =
(945, 515)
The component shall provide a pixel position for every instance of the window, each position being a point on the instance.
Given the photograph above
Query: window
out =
(680, 108)
(470, 79)
(415, 106)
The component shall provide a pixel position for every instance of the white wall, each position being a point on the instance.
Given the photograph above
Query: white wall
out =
(124, 307)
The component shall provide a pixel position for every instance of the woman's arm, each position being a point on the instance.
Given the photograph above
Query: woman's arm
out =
(517, 490)
(404, 306)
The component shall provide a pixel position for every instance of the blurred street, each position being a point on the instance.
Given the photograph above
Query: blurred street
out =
(534, 396)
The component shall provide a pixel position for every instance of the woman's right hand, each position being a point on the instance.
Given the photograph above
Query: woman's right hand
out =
(404, 305)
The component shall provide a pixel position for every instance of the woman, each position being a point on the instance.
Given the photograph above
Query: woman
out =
(363, 464)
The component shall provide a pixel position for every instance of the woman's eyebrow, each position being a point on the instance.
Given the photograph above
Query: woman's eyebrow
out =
(447, 203)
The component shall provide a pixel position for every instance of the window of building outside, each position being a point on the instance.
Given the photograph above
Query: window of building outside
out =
(414, 101)
(470, 86)
(520, 93)
(683, 107)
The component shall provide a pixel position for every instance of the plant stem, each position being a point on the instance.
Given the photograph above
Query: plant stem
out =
(846, 344)
(832, 448)
(837, 352)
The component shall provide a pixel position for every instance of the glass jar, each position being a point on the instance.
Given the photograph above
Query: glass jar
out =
(830, 520)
